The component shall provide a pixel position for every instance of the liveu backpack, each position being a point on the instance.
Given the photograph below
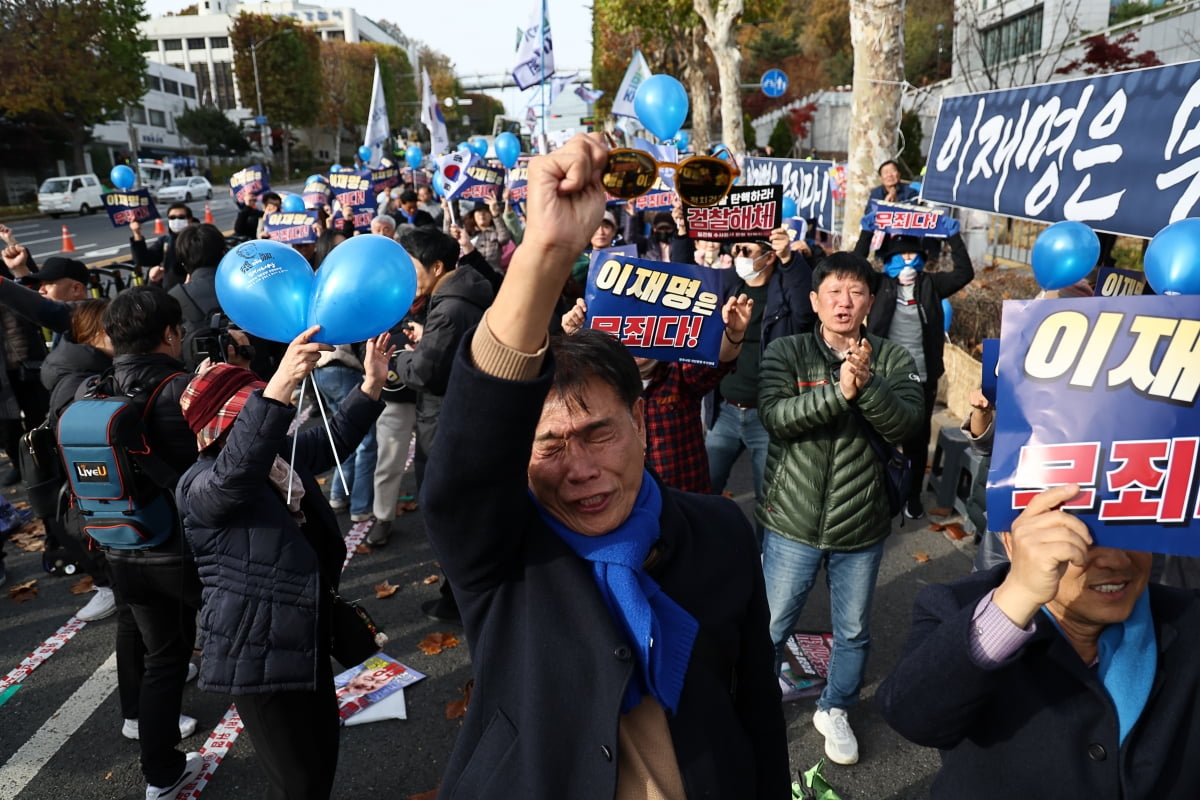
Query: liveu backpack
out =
(111, 467)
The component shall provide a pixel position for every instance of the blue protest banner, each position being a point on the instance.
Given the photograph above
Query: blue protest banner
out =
(361, 215)
(1113, 282)
(806, 182)
(518, 184)
(249, 183)
(351, 189)
(991, 364)
(317, 194)
(906, 219)
(747, 212)
(659, 310)
(125, 207)
(292, 227)
(629, 250)
(1118, 151)
(386, 176)
(1102, 392)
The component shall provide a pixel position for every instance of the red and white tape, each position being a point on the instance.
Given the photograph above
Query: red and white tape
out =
(215, 748)
(46, 649)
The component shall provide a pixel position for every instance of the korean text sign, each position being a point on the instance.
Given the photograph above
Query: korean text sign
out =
(1119, 152)
(806, 182)
(249, 183)
(292, 227)
(124, 207)
(1102, 392)
(659, 310)
(747, 212)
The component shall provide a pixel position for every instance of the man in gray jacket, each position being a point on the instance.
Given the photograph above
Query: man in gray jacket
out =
(825, 500)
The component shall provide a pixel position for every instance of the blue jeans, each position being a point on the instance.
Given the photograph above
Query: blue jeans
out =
(790, 569)
(335, 381)
(735, 430)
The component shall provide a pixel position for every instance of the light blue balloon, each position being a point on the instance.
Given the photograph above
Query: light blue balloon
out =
(265, 287)
(315, 179)
(789, 208)
(947, 314)
(661, 105)
(1172, 260)
(364, 287)
(464, 146)
(122, 177)
(436, 181)
(413, 156)
(292, 203)
(721, 151)
(682, 141)
(364, 154)
(916, 186)
(336, 168)
(508, 149)
(1063, 254)
(479, 146)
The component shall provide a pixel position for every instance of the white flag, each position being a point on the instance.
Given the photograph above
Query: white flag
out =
(378, 131)
(535, 54)
(588, 95)
(431, 117)
(638, 71)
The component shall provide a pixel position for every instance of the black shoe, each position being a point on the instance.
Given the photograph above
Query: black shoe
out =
(380, 533)
(436, 611)
(913, 509)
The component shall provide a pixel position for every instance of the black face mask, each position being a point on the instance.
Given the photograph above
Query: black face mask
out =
(662, 236)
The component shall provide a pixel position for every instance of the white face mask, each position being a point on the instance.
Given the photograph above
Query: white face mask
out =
(744, 266)
(177, 225)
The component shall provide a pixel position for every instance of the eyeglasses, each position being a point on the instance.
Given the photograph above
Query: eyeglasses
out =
(173, 217)
(744, 250)
(701, 181)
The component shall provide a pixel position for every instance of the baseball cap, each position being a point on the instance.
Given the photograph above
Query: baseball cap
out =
(57, 268)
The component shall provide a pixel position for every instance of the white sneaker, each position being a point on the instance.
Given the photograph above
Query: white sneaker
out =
(840, 744)
(193, 672)
(192, 767)
(187, 726)
(104, 604)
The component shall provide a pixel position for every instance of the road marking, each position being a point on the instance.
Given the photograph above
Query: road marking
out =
(27, 242)
(108, 251)
(46, 649)
(27, 762)
(40, 256)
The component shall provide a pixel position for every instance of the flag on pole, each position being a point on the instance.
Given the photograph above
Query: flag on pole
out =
(588, 95)
(431, 117)
(378, 131)
(637, 72)
(535, 54)
(556, 86)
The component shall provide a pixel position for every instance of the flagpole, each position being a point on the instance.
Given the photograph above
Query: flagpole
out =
(542, 54)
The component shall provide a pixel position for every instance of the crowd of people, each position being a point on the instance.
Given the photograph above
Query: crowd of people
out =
(573, 495)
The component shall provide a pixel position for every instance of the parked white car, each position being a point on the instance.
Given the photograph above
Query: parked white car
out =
(184, 190)
(69, 194)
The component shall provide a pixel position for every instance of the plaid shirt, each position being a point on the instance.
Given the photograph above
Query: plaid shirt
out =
(674, 428)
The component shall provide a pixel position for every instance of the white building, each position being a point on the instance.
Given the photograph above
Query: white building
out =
(151, 124)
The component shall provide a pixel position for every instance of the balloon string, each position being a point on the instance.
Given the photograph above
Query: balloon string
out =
(295, 436)
(332, 446)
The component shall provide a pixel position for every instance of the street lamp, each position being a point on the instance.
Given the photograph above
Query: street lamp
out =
(940, 28)
(265, 133)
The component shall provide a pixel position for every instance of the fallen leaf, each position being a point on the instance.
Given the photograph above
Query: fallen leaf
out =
(940, 512)
(31, 537)
(431, 579)
(456, 709)
(937, 526)
(83, 585)
(955, 532)
(21, 504)
(108, 776)
(322, 481)
(385, 590)
(727, 494)
(435, 643)
(410, 505)
(362, 549)
(430, 795)
(24, 591)
(921, 558)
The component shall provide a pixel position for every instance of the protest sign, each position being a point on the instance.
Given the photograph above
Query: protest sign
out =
(351, 189)
(659, 198)
(659, 310)
(1113, 282)
(317, 193)
(361, 215)
(385, 176)
(906, 219)
(747, 212)
(518, 184)
(991, 367)
(1116, 151)
(249, 183)
(1102, 392)
(124, 207)
(292, 227)
(806, 182)
(629, 250)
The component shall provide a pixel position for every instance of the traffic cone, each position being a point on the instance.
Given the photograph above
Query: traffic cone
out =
(68, 244)
(208, 217)
(159, 230)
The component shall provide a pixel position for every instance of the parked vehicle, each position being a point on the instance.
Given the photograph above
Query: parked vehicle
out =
(153, 175)
(70, 193)
(184, 190)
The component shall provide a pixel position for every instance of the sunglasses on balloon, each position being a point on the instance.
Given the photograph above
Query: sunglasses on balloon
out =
(701, 181)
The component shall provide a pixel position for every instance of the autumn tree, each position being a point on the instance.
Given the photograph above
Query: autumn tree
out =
(77, 64)
(289, 70)
(209, 127)
(1102, 56)
(720, 18)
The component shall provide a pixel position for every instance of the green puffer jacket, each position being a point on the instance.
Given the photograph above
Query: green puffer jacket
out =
(824, 484)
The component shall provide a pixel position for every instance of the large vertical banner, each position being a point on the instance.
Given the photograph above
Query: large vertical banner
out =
(1102, 391)
(1119, 152)
(806, 182)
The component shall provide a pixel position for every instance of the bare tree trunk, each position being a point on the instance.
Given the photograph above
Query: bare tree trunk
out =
(698, 91)
(720, 26)
(877, 36)
(287, 156)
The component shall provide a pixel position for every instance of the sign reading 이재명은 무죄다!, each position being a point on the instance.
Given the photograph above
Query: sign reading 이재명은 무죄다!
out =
(1102, 392)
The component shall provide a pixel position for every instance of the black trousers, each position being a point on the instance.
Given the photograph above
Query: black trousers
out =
(916, 447)
(163, 593)
(295, 736)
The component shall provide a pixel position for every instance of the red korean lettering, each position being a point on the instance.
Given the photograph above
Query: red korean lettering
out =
(610, 325)
(637, 331)
(1042, 466)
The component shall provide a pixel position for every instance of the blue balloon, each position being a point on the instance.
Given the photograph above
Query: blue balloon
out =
(508, 149)
(916, 186)
(292, 203)
(721, 151)
(661, 104)
(464, 146)
(413, 156)
(1063, 254)
(682, 141)
(947, 314)
(479, 146)
(364, 286)
(364, 154)
(436, 182)
(315, 179)
(1172, 260)
(789, 208)
(336, 168)
(265, 287)
(122, 177)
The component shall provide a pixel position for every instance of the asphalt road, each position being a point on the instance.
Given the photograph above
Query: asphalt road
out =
(60, 731)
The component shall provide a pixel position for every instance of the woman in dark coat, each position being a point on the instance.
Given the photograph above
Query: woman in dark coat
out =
(269, 550)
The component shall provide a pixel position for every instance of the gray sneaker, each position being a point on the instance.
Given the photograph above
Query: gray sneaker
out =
(104, 604)
(840, 743)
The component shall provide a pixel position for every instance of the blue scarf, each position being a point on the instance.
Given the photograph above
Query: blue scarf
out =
(895, 264)
(1128, 659)
(660, 631)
